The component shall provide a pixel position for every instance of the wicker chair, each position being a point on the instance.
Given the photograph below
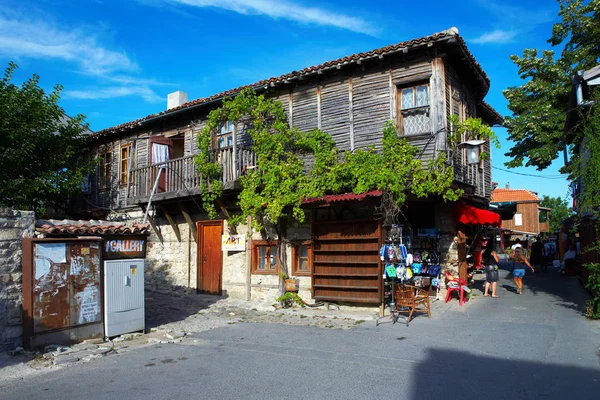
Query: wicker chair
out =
(410, 299)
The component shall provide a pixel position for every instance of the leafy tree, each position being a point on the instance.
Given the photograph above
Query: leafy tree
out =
(41, 150)
(539, 105)
(560, 211)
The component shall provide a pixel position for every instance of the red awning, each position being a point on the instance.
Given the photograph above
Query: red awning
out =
(469, 215)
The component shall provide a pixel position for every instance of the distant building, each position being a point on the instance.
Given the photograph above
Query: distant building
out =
(526, 220)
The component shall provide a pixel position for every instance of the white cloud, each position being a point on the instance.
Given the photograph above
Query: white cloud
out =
(287, 10)
(110, 92)
(22, 37)
(497, 36)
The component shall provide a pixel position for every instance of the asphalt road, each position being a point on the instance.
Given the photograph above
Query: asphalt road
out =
(536, 345)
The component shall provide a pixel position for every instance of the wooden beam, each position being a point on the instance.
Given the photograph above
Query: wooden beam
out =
(153, 225)
(172, 223)
(351, 112)
(462, 252)
(188, 218)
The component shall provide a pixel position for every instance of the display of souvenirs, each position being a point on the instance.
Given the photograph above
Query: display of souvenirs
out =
(418, 266)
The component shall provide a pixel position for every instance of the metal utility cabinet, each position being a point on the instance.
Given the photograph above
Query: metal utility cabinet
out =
(124, 310)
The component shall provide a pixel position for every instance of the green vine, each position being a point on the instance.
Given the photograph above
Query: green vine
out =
(471, 129)
(585, 167)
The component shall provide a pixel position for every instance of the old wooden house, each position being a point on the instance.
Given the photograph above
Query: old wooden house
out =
(526, 220)
(417, 83)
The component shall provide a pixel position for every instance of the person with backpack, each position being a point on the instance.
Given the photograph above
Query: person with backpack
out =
(491, 270)
(520, 261)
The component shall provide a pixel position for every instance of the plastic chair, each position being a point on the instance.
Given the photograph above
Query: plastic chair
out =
(455, 285)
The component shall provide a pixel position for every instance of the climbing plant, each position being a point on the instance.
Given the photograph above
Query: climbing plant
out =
(471, 129)
(292, 165)
(586, 165)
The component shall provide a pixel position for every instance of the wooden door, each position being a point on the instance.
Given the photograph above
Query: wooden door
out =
(210, 257)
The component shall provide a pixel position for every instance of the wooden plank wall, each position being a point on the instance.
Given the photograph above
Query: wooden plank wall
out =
(530, 218)
(370, 107)
(352, 108)
(335, 111)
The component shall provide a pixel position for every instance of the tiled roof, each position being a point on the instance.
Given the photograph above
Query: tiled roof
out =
(340, 62)
(489, 115)
(500, 195)
(92, 227)
(334, 198)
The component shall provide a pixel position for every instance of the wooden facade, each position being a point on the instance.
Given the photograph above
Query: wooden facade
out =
(351, 102)
(526, 219)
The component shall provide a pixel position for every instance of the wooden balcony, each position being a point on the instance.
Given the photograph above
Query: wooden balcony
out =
(544, 227)
(179, 177)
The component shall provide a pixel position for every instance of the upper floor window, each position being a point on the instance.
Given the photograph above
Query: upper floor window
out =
(264, 258)
(414, 110)
(225, 135)
(124, 160)
(104, 169)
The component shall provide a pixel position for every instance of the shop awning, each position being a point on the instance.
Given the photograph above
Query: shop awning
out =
(469, 215)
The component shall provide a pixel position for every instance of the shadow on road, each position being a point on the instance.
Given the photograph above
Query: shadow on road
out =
(464, 375)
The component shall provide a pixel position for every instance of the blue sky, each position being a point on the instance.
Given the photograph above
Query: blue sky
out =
(118, 60)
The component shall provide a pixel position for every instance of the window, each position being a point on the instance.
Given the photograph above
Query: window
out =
(125, 159)
(264, 258)
(518, 219)
(414, 110)
(104, 169)
(301, 259)
(225, 135)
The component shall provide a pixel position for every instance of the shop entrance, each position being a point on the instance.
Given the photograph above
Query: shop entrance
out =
(210, 257)
(346, 265)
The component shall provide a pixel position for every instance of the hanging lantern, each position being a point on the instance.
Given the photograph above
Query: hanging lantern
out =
(473, 149)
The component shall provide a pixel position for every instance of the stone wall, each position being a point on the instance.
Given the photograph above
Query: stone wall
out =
(170, 263)
(14, 226)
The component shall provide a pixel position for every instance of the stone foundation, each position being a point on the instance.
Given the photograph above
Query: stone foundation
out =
(14, 226)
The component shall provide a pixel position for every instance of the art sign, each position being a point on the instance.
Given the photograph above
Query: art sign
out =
(233, 243)
(124, 247)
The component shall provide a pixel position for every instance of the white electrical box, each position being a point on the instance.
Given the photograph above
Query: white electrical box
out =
(123, 297)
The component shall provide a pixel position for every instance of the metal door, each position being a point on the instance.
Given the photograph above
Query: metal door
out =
(124, 296)
(210, 257)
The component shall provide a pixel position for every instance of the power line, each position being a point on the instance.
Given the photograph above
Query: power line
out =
(533, 175)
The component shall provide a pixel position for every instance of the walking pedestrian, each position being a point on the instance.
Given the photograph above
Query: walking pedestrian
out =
(491, 269)
(537, 254)
(520, 261)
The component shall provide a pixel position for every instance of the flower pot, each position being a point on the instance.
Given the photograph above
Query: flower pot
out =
(291, 285)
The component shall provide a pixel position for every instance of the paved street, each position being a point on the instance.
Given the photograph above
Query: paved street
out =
(535, 345)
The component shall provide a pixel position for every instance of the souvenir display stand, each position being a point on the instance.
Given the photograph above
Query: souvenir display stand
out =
(411, 261)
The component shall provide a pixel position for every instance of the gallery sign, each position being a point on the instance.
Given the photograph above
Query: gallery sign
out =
(233, 242)
(124, 247)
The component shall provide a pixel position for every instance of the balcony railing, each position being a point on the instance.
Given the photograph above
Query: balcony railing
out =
(179, 177)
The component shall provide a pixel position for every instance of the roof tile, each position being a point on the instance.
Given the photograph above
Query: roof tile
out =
(518, 195)
(92, 227)
(308, 71)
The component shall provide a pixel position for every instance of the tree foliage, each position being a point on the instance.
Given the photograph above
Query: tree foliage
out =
(539, 105)
(41, 150)
(560, 211)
